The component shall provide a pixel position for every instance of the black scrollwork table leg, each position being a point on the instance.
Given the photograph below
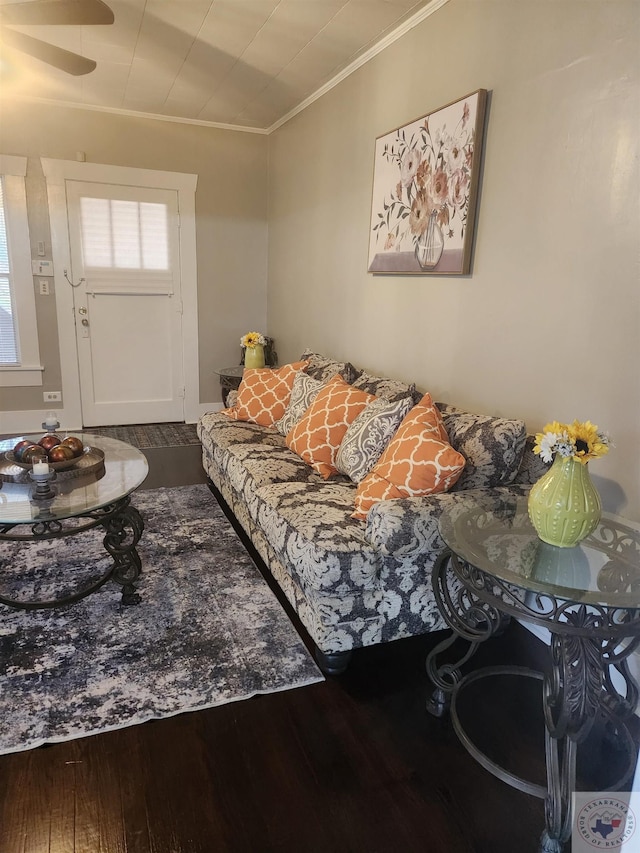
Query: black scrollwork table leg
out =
(587, 643)
(123, 531)
(578, 690)
(469, 619)
(123, 526)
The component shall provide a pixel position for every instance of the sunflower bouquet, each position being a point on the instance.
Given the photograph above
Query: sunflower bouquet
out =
(252, 340)
(582, 441)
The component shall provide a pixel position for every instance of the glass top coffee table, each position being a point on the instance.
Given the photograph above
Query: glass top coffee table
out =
(95, 492)
(495, 567)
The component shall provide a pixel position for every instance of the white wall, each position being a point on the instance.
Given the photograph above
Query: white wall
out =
(547, 326)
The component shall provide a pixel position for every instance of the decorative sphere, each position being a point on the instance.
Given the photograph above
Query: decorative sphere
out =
(31, 454)
(21, 445)
(60, 453)
(48, 441)
(74, 443)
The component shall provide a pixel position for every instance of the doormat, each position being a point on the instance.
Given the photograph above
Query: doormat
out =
(150, 435)
(207, 631)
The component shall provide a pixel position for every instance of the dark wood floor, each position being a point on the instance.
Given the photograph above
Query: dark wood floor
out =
(352, 764)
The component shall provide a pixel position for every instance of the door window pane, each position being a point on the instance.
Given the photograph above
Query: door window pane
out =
(124, 235)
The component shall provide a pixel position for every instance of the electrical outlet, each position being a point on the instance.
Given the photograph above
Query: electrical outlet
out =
(44, 287)
(52, 396)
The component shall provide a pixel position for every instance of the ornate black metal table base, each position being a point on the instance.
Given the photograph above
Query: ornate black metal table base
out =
(123, 526)
(587, 643)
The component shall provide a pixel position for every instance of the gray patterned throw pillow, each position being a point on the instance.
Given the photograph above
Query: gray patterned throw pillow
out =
(303, 393)
(492, 446)
(368, 435)
(390, 389)
(323, 368)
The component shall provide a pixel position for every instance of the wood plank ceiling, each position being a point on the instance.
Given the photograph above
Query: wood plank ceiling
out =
(239, 63)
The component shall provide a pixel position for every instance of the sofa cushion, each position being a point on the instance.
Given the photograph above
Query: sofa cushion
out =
(304, 391)
(264, 393)
(324, 368)
(389, 389)
(493, 447)
(264, 465)
(217, 430)
(318, 434)
(418, 461)
(368, 435)
(309, 527)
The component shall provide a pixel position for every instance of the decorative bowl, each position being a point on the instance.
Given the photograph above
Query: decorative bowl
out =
(55, 466)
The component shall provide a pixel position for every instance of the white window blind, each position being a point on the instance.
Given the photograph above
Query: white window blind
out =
(124, 235)
(8, 336)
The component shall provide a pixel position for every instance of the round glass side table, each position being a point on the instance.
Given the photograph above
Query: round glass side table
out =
(588, 597)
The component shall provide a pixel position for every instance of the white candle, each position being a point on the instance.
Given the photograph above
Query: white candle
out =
(51, 421)
(40, 467)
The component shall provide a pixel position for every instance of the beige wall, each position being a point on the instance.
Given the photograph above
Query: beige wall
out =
(547, 326)
(231, 203)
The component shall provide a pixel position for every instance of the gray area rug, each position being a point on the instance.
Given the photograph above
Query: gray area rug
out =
(151, 435)
(207, 631)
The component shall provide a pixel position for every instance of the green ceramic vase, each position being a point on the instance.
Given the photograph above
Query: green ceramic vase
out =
(564, 505)
(254, 356)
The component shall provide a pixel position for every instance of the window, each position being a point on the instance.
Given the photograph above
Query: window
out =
(126, 235)
(8, 336)
(19, 351)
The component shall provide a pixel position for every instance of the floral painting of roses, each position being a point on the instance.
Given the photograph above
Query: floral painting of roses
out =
(425, 185)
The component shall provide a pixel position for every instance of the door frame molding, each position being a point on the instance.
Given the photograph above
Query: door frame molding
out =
(56, 173)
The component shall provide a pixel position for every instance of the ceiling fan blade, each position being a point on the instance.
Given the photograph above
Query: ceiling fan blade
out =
(51, 12)
(72, 63)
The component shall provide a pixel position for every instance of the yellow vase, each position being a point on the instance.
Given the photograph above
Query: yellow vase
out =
(564, 505)
(254, 356)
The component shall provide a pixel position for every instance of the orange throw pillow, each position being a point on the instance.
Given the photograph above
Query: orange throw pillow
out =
(264, 394)
(318, 434)
(418, 461)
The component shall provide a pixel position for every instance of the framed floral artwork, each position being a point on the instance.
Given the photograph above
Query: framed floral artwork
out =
(425, 187)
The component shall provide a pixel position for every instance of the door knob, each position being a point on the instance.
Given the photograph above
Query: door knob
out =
(82, 310)
(85, 322)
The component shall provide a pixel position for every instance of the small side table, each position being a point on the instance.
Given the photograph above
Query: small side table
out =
(588, 597)
(230, 378)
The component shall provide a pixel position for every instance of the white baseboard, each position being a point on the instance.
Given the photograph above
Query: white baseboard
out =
(30, 420)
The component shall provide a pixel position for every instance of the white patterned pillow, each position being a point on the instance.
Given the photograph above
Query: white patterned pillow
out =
(368, 435)
(303, 393)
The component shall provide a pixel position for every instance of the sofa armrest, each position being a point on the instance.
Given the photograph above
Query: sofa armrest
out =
(408, 526)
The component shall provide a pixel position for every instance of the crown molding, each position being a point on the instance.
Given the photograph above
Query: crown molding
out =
(135, 114)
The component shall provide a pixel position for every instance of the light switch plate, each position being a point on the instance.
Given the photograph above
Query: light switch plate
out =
(41, 267)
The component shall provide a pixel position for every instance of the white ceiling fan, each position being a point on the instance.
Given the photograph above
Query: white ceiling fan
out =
(52, 13)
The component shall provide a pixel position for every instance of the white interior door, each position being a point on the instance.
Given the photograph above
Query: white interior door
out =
(125, 271)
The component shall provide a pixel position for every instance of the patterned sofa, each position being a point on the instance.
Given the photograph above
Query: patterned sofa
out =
(354, 583)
